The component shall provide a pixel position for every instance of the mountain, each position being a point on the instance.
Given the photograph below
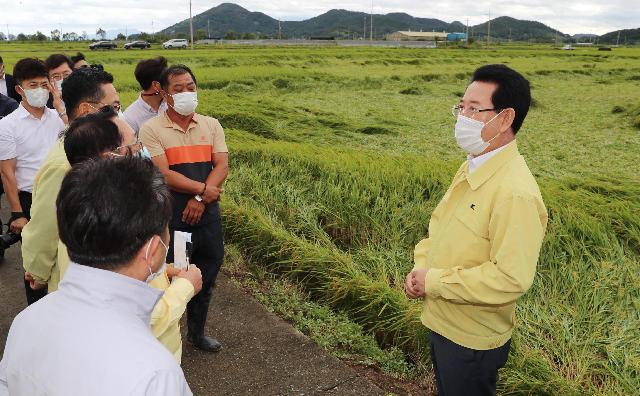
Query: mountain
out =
(343, 23)
(627, 36)
(224, 18)
(228, 17)
(338, 23)
(516, 29)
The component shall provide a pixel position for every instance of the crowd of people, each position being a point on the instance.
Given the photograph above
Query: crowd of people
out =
(96, 196)
(99, 196)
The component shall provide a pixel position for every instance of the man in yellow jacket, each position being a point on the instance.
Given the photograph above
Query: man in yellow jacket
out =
(484, 239)
(45, 257)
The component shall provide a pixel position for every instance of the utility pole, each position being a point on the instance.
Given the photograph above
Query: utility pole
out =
(509, 34)
(371, 36)
(8, 33)
(191, 24)
(364, 32)
(208, 30)
(279, 30)
(618, 40)
(467, 32)
(489, 29)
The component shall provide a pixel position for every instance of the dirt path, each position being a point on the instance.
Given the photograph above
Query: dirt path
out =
(263, 355)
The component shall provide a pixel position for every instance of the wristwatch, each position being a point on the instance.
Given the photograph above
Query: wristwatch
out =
(198, 198)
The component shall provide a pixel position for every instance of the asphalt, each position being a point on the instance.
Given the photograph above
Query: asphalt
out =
(262, 355)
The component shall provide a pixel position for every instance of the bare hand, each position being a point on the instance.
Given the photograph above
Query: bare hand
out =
(34, 284)
(194, 276)
(212, 194)
(17, 225)
(172, 271)
(58, 104)
(414, 285)
(193, 212)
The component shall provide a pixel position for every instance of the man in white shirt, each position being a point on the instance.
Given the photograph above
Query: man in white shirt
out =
(26, 136)
(3, 79)
(98, 338)
(149, 104)
(7, 83)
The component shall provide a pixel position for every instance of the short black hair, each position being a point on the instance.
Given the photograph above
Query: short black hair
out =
(77, 58)
(1, 61)
(90, 136)
(175, 70)
(150, 70)
(56, 60)
(29, 68)
(513, 90)
(108, 209)
(83, 85)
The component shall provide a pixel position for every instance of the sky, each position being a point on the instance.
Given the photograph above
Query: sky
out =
(568, 16)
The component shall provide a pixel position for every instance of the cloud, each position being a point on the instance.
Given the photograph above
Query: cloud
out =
(570, 17)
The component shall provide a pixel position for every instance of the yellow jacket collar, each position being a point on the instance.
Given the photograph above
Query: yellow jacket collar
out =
(489, 168)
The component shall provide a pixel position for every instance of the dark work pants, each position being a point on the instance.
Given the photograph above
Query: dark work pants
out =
(463, 371)
(208, 255)
(1, 192)
(32, 295)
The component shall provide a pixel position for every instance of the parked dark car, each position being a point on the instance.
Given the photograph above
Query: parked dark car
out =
(137, 44)
(103, 45)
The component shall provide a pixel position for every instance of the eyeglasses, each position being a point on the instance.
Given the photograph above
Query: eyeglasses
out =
(116, 106)
(60, 76)
(458, 109)
(128, 150)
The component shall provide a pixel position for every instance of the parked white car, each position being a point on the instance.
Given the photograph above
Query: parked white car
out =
(175, 43)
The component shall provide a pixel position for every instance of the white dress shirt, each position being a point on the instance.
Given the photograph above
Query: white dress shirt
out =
(140, 112)
(90, 337)
(3, 85)
(28, 140)
(476, 162)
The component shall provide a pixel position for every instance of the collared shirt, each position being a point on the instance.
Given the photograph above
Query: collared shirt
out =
(482, 251)
(28, 140)
(476, 162)
(189, 153)
(140, 112)
(7, 105)
(43, 254)
(45, 257)
(3, 85)
(98, 341)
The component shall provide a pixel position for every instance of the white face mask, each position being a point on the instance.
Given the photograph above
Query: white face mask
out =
(469, 134)
(59, 85)
(36, 97)
(154, 275)
(185, 103)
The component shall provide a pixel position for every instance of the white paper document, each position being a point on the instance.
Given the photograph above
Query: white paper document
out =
(180, 253)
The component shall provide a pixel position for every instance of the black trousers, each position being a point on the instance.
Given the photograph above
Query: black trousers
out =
(32, 295)
(207, 254)
(463, 371)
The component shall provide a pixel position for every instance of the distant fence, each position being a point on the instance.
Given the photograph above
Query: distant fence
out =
(339, 43)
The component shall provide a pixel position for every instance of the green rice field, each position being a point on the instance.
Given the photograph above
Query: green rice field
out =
(339, 155)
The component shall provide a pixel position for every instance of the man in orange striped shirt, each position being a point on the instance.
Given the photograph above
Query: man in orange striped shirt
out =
(191, 152)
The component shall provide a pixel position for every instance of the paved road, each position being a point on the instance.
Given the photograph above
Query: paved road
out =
(263, 355)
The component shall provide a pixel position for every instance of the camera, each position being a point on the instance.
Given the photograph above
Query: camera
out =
(8, 239)
(97, 66)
